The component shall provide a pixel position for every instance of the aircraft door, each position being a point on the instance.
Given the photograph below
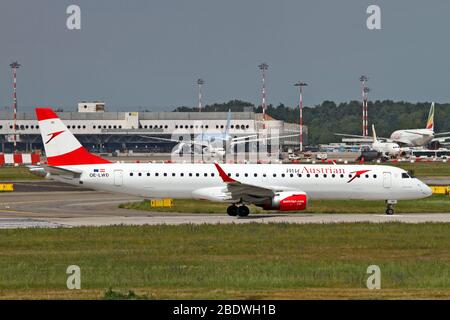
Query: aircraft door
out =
(118, 177)
(387, 180)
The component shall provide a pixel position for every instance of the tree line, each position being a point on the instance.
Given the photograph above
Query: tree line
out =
(327, 118)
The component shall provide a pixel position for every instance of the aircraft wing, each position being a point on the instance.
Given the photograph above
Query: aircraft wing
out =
(238, 190)
(441, 134)
(357, 136)
(193, 142)
(261, 139)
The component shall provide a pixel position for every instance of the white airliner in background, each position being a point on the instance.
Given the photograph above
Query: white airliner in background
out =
(412, 137)
(270, 186)
(216, 145)
(389, 149)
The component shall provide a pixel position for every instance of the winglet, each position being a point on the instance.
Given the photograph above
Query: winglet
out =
(222, 174)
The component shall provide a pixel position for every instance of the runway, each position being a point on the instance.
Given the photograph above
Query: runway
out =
(82, 207)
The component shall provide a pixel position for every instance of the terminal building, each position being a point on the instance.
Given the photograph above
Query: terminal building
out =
(102, 131)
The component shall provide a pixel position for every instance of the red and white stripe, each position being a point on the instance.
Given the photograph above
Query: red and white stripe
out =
(19, 158)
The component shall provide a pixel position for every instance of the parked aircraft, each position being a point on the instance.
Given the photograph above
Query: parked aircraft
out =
(270, 186)
(412, 137)
(216, 145)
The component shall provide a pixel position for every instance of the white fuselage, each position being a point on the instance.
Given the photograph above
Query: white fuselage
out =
(387, 148)
(202, 181)
(413, 137)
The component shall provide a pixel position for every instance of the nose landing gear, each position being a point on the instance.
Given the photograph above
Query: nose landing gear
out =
(390, 207)
(241, 211)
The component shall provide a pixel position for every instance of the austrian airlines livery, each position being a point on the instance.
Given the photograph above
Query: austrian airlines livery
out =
(270, 186)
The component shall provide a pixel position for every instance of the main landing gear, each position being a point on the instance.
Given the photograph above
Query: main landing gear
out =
(390, 206)
(241, 211)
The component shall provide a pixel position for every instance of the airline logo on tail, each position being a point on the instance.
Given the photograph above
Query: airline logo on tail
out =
(430, 122)
(54, 135)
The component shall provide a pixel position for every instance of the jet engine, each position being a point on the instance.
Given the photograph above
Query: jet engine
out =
(287, 201)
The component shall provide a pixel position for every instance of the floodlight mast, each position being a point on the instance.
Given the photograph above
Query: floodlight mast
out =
(363, 79)
(200, 83)
(14, 66)
(300, 85)
(263, 67)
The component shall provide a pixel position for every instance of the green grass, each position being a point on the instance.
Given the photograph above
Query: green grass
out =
(433, 204)
(250, 261)
(424, 169)
(17, 173)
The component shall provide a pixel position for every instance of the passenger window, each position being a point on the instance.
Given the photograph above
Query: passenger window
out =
(205, 174)
(292, 175)
(283, 175)
(140, 174)
(212, 174)
(375, 176)
(308, 175)
(255, 175)
(148, 174)
(317, 175)
(246, 174)
(131, 174)
(165, 174)
(173, 174)
(190, 174)
(197, 174)
(324, 175)
(274, 175)
(156, 174)
(333, 175)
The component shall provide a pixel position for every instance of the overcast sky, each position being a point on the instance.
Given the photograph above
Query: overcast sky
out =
(151, 52)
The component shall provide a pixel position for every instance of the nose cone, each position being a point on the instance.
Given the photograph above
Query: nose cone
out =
(427, 190)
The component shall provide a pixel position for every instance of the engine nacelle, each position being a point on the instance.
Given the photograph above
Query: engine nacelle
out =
(288, 201)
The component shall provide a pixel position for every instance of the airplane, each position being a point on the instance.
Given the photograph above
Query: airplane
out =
(388, 149)
(412, 137)
(216, 144)
(270, 186)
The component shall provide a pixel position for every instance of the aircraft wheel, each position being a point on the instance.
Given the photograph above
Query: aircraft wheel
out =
(389, 210)
(232, 210)
(243, 211)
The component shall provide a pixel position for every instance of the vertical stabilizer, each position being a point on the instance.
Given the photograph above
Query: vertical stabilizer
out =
(430, 122)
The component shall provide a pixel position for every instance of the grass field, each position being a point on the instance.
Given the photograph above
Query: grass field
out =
(424, 169)
(251, 261)
(433, 204)
(17, 173)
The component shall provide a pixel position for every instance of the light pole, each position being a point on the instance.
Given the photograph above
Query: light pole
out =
(14, 66)
(200, 83)
(366, 111)
(300, 85)
(263, 67)
(363, 79)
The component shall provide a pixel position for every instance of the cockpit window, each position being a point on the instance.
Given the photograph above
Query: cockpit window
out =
(405, 175)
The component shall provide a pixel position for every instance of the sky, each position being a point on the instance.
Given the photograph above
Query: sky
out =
(149, 54)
